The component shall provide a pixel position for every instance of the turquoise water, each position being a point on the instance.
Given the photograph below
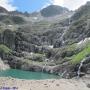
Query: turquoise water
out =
(27, 75)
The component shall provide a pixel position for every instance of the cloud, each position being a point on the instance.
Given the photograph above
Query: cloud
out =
(71, 4)
(57, 2)
(74, 4)
(46, 4)
(8, 4)
(54, 2)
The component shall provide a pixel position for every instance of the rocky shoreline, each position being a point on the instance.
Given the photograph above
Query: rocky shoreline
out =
(63, 84)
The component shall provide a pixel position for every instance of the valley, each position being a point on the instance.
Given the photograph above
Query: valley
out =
(54, 42)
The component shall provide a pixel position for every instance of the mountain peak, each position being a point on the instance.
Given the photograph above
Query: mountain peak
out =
(53, 10)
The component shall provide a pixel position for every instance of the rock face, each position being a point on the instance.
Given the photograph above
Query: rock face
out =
(8, 38)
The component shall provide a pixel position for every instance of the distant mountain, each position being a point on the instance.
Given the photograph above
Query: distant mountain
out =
(3, 10)
(53, 10)
(82, 12)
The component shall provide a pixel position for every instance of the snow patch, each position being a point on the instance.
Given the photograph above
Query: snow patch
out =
(82, 42)
(35, 18)
(50, 46)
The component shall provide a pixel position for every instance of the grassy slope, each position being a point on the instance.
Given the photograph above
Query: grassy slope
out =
(81, 55)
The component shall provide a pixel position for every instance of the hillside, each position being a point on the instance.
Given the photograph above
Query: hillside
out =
(80, 24)
(82, 12)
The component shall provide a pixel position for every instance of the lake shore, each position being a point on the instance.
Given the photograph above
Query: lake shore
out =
(61, 84)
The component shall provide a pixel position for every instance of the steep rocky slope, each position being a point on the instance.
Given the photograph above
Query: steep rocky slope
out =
(80, 24)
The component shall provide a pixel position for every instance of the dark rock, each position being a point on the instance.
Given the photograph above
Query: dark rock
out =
(33, 68)
(57, 85)
(88, 85)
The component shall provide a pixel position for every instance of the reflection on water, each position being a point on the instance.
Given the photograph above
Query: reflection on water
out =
(27, 74)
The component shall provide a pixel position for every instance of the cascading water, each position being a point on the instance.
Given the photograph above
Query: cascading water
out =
(61, 75)
(64, 32)
(3, 66)
(46, 60)
(79, 69)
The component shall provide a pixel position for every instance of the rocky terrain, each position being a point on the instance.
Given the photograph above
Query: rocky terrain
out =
(57, 42)
(63, 84)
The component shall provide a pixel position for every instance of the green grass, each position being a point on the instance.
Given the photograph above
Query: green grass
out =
(81, 55)
(4, 49)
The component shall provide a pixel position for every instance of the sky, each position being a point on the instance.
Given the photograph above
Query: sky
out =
(35, 5)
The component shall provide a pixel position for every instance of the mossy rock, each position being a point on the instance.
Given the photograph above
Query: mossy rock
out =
(4, 49)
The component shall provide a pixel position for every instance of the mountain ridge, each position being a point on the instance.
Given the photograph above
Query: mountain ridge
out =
(57, 10)
(3, 10)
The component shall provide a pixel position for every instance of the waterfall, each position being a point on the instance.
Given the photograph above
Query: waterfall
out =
(79, 69)
(61, 75)
(3, 66)
(46, 60)
(43, 68)
(62, 37)
(65, 31)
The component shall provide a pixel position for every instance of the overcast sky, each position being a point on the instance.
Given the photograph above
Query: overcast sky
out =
(34, 5)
